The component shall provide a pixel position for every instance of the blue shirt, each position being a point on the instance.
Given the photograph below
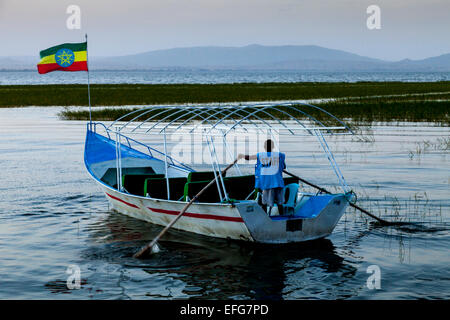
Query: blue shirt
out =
(269, 170)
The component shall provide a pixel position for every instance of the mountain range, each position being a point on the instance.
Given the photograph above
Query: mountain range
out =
(251, 57)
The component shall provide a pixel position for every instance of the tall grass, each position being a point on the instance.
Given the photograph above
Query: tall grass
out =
(144, 94)
(364, 113)
(388, 111)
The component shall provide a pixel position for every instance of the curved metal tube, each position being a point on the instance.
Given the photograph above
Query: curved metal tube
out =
(214, 112)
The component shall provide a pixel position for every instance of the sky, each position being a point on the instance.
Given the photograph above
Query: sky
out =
(413, 29)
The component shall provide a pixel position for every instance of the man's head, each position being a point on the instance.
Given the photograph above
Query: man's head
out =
(268, 145)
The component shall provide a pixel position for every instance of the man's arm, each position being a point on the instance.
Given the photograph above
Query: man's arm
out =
(247, 157)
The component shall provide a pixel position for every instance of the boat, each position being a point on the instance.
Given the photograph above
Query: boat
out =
(147, 183)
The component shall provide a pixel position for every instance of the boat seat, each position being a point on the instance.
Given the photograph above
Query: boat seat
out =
(313, 206)
(134, 183)
(110, 176)
(201, 176)
(290, 196)
(240, 187)
(210, 195)
(157, 188)
(243, 187)
(289, 180)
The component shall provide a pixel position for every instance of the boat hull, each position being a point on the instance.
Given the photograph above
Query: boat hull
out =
(214, 220)
(244, 221)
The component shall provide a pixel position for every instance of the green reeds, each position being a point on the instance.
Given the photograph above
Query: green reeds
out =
(440, 144)
(359, 113)
(363, 102)
(145, 94)
(389, 111)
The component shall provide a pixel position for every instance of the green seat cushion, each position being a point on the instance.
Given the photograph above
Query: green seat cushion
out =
(157, 188)
(134, 183)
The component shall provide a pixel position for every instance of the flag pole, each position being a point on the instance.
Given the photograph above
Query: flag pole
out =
(89, 91)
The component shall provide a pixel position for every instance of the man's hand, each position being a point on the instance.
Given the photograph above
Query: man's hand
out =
(247, 157)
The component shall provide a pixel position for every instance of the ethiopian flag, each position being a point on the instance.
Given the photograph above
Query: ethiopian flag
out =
(64, 57)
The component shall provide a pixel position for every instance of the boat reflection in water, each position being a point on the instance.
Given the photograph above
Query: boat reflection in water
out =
(190, 265)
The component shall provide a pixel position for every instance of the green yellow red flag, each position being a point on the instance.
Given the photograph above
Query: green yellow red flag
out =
(64, 57)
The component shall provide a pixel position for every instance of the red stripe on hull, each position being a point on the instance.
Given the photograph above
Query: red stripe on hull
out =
(199, 215)
(127, 203)
(49, 67)
(188, 214)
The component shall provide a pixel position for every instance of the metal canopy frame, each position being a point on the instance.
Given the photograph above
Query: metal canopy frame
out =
(219, 120)
(223, 119)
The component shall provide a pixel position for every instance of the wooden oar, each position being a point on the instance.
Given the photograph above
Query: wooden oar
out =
(153, 245)
(382, 221)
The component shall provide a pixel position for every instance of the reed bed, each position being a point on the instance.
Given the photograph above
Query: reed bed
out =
(359, 113)
(146, 94)
(363, 102)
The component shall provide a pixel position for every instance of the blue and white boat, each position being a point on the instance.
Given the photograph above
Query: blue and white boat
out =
(149, 184)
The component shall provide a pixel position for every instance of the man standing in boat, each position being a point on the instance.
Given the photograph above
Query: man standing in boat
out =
(269, 176)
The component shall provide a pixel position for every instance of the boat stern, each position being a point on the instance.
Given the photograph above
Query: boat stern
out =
(317, 219)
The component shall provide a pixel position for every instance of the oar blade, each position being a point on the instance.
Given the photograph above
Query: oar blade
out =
(155, 249)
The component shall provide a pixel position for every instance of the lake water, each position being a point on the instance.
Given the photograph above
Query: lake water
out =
(212, 76)
(54, 216)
